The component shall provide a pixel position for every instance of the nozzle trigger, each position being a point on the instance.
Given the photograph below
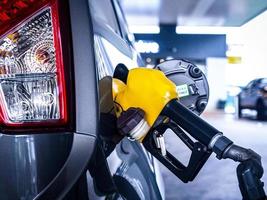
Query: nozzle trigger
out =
(154, 143)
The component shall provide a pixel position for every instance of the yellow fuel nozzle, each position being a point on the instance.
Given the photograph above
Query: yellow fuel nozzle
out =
(146, 89)
(141, 95)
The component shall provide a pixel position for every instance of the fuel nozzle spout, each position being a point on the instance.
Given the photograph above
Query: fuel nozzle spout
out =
(197, 127)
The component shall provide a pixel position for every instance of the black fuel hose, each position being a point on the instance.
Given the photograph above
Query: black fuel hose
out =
(249, 172)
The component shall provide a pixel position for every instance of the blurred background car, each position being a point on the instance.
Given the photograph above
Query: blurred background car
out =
(254, 96)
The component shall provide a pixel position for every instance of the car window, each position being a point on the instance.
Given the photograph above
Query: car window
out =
(127, 35)
(104, 67)
(250, 84)
(264, 81)
(108, 57)
(102, 12)
(116, 56)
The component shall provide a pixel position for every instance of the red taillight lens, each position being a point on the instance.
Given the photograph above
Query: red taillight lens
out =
(32, 84)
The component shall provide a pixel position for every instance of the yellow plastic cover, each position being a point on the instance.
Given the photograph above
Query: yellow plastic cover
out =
(148, 89)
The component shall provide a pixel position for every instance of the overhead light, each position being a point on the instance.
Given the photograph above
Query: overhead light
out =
(144, 29)
(204, 29)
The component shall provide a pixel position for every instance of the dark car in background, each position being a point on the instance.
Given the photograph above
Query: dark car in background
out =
(254, 96)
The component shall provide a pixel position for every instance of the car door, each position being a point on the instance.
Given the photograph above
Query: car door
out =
(134, 170)
(253, 94)
(247, 97)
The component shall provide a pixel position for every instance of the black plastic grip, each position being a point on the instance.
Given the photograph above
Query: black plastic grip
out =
(190, 122)
(198, 158)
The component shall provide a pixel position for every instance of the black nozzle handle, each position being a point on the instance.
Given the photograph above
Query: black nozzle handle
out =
(189, 121)
(198, 158)
(196, 127)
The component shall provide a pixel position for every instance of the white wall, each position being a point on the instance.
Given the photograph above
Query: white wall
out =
(255, 46)
(216, 79)
(248, 42)
(252, 38)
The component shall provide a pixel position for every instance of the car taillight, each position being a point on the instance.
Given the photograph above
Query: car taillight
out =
(32, 84)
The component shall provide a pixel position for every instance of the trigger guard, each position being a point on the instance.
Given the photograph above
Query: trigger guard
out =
(198, 158)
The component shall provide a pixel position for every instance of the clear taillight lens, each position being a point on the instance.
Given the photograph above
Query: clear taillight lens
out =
(32, 87)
